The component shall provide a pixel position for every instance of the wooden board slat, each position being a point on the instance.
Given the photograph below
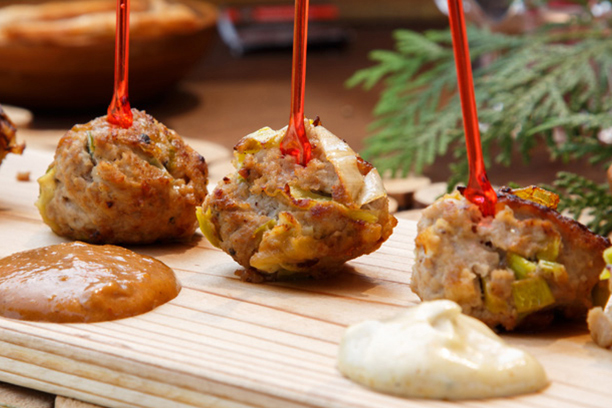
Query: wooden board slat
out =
(225, 343)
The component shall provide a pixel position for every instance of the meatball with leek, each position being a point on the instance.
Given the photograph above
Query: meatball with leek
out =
(278, 218)
(520, 267)
(113, 185)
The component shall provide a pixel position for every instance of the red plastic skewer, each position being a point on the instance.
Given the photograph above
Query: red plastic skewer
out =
(295, 142)
(119, 111)
(479, 190)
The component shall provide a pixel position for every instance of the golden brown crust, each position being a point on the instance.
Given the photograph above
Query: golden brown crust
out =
(463, 256)
(277, 218)
(581, 238)
(8, 140)
(115, 185)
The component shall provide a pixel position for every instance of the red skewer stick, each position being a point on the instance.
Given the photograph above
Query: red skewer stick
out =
(295, 142)
(119, 111)
(479, 190)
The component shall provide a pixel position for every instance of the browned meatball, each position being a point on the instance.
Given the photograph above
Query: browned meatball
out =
(516, 267)
(123, 186)
(8, 142)
(278, 218)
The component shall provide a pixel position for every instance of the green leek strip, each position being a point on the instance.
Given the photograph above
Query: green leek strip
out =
(300, 194)
(262, 138)
(207, 227)
(551, 252)
(354, 214)
(493, 303)
(91, 147)
(362, 215)
(553, 269)
(259, 231)
(531, 294)
(605, 274)
(520, 266)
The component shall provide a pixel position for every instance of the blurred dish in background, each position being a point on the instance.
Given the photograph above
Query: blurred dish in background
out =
(258, 27)
(61, 54)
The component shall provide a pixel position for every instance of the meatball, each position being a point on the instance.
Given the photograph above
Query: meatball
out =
(277, 218)
(8, 143)
(123, 186)
(516, 268)
(600, 318)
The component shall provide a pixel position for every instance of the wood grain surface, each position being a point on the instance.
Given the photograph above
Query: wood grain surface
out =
(225, 343)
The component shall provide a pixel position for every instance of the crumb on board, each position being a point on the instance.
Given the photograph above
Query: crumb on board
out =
(23, 176)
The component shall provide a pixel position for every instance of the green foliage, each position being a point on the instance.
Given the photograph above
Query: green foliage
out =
(553, 82)
(582, 197)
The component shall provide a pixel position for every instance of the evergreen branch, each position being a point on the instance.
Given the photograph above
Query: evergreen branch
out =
(553, 81)
(580, 196)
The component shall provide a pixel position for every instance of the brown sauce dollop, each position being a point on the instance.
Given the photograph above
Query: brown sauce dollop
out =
(78, 282)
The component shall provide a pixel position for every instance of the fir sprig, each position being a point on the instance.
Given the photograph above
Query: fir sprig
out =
(583, 197)
(553, 82)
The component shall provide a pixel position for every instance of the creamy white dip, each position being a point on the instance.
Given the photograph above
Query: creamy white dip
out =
(432, 350)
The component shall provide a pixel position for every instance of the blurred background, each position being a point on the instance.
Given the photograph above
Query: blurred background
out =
(223, 75)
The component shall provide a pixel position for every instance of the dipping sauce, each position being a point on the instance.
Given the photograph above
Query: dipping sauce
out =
(432, 350)
(77, 282)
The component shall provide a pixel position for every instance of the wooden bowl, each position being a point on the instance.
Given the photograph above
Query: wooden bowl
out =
(81, 75)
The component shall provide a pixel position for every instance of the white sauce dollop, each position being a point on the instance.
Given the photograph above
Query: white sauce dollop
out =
(432, 350)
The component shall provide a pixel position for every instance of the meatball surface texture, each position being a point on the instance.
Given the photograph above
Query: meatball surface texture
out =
(519, 267)
(8, 141)
(278, 218)
(123, 186)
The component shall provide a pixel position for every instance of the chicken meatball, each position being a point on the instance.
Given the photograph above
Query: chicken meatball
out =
(278, 218)
(113, 185)
(516, 268)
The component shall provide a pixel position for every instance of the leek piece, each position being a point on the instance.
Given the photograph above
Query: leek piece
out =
(551, 252)
(554, 269)
(605, 274)
(207, 227)
(47, 192)
(300, 193)
(373, 189)
(607, 255)
(260, 139)
(531, 294)
(362, 215)
(259, 231)
(537, 195)
(493, 303)
(520, 266)
(91, 147)
(344, 160)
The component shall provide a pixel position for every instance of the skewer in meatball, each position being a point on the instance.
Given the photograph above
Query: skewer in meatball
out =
(278, 218)
(516, 268)
(113, 185)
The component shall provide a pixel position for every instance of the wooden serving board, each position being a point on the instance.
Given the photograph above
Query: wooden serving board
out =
(225, 343)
